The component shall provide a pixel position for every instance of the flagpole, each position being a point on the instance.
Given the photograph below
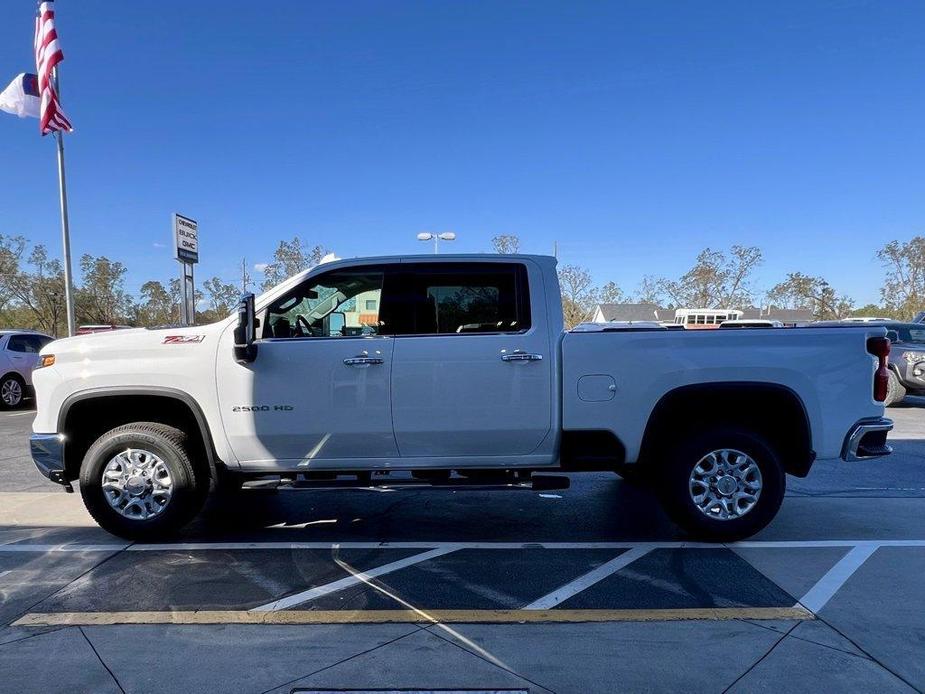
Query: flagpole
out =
(65, 227)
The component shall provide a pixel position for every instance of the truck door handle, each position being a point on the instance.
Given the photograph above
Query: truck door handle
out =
(519, 355)
(362, 361)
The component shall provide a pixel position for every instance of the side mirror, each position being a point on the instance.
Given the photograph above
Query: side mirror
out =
(245, 332)
(334, 323)
(892, 336)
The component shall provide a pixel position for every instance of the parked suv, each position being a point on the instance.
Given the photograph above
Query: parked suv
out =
(907, 360)
(19, 354)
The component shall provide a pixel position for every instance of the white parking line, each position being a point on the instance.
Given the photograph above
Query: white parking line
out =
(19, 414)
(826, 587)
(359, 577)
(449, 546)
(547, 602)
(51, 549)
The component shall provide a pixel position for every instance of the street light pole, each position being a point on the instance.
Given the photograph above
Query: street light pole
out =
(436, 238)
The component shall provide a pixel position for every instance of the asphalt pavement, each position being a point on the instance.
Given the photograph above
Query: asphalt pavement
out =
(584, 590)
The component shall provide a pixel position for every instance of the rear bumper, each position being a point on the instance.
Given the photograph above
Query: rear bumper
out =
(48, 455)
(867, 439)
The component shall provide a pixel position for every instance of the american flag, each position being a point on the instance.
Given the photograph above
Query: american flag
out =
(47, 55)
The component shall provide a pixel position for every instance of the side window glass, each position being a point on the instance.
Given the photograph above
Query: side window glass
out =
(341, 303)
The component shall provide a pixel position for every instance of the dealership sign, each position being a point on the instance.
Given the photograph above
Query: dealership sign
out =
(186, 239)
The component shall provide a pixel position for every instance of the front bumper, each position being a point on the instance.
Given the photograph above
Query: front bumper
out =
(867, 439)
(48, 456)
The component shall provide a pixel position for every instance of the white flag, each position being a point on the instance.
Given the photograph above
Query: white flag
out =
(21, 97)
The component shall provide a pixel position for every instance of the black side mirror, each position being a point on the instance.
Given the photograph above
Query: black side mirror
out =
(245, 332)
(892, 336)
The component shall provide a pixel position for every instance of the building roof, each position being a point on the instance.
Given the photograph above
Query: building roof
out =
(635, 312)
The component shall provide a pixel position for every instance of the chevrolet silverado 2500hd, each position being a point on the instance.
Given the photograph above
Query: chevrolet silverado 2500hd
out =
(450, 363)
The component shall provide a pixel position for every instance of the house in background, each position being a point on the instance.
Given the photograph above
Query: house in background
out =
(605, 313)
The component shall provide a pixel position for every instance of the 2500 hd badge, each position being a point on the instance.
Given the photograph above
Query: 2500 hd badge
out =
(262, 408)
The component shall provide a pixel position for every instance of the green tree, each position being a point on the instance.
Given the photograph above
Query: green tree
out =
(903, 290)
(222, 299)
(580, 296)
(31, 289)
(157, 306)
(101, 298)
(291, 258)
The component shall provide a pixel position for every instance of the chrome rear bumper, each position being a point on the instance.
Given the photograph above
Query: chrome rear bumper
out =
(867, 439)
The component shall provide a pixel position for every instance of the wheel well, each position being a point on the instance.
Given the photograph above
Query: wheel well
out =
(773, 411)
(86, 419)
(15, 375)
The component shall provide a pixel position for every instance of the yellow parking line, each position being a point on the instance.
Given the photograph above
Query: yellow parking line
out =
(406, 616)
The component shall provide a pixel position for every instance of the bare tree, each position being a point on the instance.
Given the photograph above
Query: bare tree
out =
(813, 293)
(651, 291)
(903, 290)
(505, 244)
(716, 280)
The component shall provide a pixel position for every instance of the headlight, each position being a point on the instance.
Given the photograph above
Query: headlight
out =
(913, 357)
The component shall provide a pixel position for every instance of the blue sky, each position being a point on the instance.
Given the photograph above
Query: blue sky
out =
(633, 133)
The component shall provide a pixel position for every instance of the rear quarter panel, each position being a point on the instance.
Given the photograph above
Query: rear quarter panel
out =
(829, 369)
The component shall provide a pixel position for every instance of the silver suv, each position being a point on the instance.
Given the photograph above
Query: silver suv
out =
(19, 354)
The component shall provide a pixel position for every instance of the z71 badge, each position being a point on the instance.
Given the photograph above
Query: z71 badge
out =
(183, 339)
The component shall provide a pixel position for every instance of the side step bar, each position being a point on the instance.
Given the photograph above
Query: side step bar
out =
(536, 482)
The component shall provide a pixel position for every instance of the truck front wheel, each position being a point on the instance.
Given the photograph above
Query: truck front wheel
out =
(723, 484)
(138, 482)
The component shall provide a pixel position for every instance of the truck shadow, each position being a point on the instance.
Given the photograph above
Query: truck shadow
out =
(597, 508)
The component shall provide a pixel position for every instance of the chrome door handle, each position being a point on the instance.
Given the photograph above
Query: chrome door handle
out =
(518, 355)
(360, 361)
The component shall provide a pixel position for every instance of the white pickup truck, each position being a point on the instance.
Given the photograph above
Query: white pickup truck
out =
(457, 369)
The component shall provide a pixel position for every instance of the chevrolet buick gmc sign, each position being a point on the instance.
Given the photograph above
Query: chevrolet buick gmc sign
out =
(186, 239)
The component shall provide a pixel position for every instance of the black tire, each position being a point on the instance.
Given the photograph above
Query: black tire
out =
(676, 484)
(895, 391)
(12, 380)
(190, 484)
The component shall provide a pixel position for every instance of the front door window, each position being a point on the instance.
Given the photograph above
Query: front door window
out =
(341, 303)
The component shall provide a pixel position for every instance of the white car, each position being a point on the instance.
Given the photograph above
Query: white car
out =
(19, 355)
(454, 368)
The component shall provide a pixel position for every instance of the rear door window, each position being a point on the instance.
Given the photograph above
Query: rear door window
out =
(30, 344)
(465, 298)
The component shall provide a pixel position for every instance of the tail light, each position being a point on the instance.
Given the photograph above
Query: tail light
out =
(880, 348)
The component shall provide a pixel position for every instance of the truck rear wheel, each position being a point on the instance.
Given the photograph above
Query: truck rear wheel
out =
(138, 482)
(724, 484)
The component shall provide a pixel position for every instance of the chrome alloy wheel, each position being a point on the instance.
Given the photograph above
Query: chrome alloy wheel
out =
(137, 484)
(11, 392)
(725, 484)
